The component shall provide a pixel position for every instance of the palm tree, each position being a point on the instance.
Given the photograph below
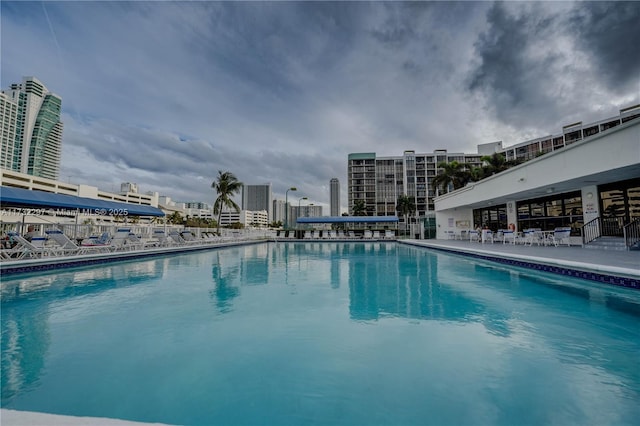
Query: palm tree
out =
(453, 174)
(494, 163)
(226, 186)
(406, 206)
(359, 208)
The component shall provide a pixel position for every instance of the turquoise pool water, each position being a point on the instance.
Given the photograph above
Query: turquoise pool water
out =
(321, 334)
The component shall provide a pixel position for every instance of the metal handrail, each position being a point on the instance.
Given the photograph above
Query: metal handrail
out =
(631, 232)
(591, 230)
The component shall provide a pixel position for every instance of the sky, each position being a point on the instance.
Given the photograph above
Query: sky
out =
(166, 94)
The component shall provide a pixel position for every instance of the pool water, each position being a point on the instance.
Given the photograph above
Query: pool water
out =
(321, 334)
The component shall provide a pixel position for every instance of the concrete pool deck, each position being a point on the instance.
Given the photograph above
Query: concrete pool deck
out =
(29, 418)
(614, 263)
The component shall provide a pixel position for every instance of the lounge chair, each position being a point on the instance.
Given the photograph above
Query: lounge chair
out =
(376, 235)
(368, 234)
(389, 234)
(161, 239)
(121, 241)
(101, 240)
(135, 242)
(177, 238)
(189, 237)
(67, 246)
(25, 248)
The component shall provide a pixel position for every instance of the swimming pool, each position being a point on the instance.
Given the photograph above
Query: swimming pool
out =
(321, 333)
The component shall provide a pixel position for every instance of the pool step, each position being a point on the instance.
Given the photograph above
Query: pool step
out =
(607, 243)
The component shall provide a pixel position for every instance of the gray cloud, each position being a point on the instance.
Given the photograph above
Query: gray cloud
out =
(608, 32)
(165, 94)
(540, 64)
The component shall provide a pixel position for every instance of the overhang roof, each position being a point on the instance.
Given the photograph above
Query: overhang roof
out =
(348, 219)
(19, 197)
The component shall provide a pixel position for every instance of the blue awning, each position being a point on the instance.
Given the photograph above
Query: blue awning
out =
(19, 197)
(348, 219)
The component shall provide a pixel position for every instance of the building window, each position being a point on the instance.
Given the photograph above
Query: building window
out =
(551, 212)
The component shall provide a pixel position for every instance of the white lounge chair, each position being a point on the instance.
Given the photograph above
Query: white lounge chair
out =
(161, 238)
(25, 248)
(67, 246)
(389, 234)
(189, 237)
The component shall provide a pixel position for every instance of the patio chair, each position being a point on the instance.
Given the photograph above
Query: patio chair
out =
(389, 234)
(508, 236)
(368, 234)
(376, 235)
(560, 235)
(487, 236)
(533, 235)
(474, 236)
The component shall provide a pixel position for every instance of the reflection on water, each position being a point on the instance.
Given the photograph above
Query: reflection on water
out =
(25, 323)
(319, 321)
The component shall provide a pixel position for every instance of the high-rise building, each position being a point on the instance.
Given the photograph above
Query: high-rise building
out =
(257, 197)
(37, 144)
(379, 181)
(279, 209)
(8, 124)
(334, 197)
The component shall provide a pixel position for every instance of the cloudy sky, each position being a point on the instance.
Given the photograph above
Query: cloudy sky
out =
(166, 94)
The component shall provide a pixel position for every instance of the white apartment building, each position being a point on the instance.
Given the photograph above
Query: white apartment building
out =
(258, 219)
(37, 140)
(379, 181)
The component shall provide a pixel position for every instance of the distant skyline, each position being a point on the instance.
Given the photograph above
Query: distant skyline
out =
(165, 94)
